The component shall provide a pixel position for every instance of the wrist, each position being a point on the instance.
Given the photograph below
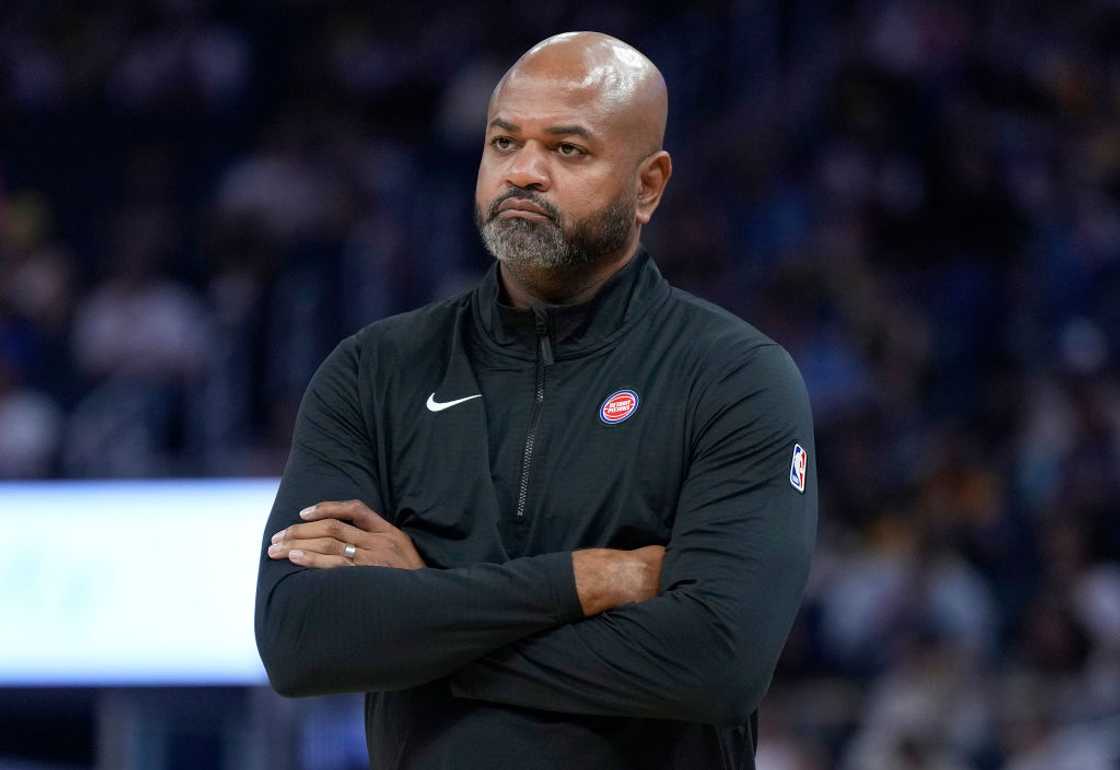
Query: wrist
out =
(596, 590)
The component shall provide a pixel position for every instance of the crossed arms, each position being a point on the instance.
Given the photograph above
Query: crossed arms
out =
(548, 631)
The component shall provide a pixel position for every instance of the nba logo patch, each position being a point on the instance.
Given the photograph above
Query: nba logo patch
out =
(618, 407)
(798, 467)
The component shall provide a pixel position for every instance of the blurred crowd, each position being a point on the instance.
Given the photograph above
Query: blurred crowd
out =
(919, 200)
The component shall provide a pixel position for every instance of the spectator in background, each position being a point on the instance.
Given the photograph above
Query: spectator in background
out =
(139, 340)
(137, 322)
(35, 301)
(30, 426)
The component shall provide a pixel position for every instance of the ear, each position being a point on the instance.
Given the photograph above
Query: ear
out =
(653, 174)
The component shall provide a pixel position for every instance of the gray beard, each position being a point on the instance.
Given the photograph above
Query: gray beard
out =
(524, 244)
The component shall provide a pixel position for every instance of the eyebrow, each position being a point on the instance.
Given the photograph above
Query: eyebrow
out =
(569, 130)
(573, 130)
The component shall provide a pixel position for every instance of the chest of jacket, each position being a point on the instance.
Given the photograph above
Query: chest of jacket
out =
(578, 453)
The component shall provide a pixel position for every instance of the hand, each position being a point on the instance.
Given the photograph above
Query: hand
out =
(319, 543)
(607, 578)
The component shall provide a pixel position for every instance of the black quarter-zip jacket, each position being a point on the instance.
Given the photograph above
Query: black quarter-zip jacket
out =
(644, 416)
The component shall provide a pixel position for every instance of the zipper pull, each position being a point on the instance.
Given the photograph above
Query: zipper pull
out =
(544, 341)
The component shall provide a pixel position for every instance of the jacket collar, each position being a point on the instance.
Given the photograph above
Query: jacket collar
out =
(573, 330)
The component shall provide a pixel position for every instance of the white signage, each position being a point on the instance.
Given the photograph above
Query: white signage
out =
(135, 582)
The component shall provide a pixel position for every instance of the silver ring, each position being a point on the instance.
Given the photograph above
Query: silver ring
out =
(350, 551)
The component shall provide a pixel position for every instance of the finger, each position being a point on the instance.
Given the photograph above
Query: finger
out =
(304, 552)
(339, 530)
(317, 560)
(327, 546)
(350, 510)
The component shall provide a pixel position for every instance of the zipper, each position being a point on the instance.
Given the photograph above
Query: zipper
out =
(544, 359)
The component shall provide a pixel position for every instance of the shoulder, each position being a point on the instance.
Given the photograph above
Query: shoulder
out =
(414, 337)
(735, 370)
(722, 342)
(412, 332)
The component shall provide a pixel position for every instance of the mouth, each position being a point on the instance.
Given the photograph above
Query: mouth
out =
(516, 207)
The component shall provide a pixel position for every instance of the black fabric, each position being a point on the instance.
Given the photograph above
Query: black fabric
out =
(483, 659)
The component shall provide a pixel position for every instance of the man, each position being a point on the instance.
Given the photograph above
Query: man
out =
(580, 503)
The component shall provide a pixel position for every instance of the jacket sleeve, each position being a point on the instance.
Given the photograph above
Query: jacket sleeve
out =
(374, 628)
(703, 650)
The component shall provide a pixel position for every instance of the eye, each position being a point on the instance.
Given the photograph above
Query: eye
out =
(569, 150)
(501, 143)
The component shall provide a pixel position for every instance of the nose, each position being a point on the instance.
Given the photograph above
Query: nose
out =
(528, 169)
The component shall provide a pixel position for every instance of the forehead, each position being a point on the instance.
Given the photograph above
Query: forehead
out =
(529, 99)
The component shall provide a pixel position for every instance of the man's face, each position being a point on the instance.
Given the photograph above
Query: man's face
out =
(556, 186)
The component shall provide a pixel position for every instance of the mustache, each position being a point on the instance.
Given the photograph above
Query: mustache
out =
(525, 195)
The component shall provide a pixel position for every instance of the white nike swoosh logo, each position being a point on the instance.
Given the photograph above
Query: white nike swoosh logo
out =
(436, 406)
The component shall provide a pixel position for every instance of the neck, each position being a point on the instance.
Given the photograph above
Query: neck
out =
(527, 286)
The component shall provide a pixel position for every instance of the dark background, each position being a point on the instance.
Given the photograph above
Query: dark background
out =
(919, 200)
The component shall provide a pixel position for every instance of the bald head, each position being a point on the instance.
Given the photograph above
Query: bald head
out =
(572, 166)
(616, 80)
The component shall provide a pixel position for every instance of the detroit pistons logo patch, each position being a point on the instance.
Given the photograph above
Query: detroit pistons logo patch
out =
(798, 467)
(619, 407)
